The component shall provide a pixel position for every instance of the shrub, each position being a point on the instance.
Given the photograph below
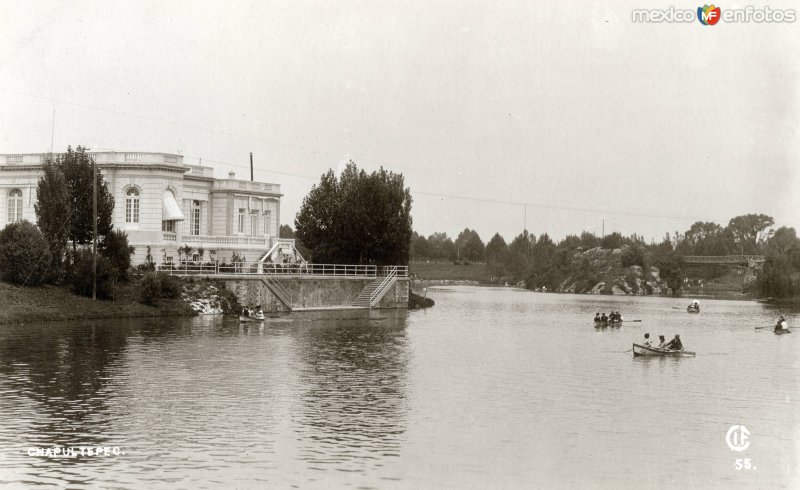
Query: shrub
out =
(116, 249)
(228, 300)
(81, 276)
(24, 254)
(150, 289)
(170, 286)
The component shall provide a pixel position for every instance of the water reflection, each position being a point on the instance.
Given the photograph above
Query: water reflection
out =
(61, 372)
(352, 412)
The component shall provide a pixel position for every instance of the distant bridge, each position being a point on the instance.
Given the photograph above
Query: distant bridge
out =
(724, 259)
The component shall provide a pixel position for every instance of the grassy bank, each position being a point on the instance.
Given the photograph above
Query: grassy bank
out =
(447, 271)
(48, 303)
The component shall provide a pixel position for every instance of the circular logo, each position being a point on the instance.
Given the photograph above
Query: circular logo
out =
(737, 438)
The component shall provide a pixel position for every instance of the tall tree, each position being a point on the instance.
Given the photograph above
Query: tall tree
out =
(64, 208)
(78, 174)
(749, 231)
(357, 218)
(496, 249)
(53, 210)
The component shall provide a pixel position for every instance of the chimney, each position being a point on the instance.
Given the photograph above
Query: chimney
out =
(231, 174)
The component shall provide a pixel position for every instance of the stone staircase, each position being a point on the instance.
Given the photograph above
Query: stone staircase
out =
(363, 298)
(374, 291)
(278, 290)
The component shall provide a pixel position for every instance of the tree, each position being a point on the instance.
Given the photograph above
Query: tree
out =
(670, 267)
(24, 254)
(523, 244)
(441, 247)
(496, 249)
(53, 210)
(749, 231)
(612, 241)
(420, 249)
(77, 168)
(469, 245)
(357, 218)
(783, 241)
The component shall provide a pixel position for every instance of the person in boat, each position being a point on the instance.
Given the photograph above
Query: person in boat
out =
(597, 317)
(780, 324)
(647, 342)
(245, 312)
(612, 317)
(675, 344)
(604, 318)
(661, 342)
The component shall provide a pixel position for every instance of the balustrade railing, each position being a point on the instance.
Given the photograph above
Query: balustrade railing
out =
(187, 267)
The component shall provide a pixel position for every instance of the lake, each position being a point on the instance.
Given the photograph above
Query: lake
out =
(492, 387)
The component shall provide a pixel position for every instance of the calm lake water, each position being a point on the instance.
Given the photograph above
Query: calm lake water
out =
(490, 388)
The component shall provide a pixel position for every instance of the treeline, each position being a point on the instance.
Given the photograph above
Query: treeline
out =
(541, 262)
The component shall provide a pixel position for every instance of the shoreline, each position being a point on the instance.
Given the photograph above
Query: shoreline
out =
(425, 283)
(54, 303)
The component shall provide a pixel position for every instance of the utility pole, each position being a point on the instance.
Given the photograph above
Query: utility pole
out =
(53, 130)
(251, 166)
(94, 228)
(604, 228)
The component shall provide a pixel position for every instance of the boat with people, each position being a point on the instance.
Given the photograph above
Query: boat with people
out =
(694, 307)
(613, 319)
(781, 327)
(251, 315)
(643, 350)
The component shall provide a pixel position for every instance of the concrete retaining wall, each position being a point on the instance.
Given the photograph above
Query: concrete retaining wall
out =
(312, 292)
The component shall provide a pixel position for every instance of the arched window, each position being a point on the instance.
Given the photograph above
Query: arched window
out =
(15, 206)
(132, 206)
(195, 224)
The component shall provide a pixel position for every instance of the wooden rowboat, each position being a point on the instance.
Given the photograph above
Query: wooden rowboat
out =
(251, 318)
(689, 309)
(782, 331)
(643, 350)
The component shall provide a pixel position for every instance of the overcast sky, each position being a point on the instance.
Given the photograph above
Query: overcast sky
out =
(573, 109)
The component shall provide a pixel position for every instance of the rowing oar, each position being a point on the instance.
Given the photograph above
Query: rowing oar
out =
(686, 352)
(631, 320)
(676, 308)
(759, 328)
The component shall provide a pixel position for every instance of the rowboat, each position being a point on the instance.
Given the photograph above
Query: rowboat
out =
(689, 309)
(782, 331)
(643, 350)
(251, 318)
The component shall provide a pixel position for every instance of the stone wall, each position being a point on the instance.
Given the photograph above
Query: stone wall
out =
(313, 292)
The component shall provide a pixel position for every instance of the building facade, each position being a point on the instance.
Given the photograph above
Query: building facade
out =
(166, 205)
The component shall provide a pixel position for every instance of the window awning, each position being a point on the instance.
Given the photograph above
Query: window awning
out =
(171, 212)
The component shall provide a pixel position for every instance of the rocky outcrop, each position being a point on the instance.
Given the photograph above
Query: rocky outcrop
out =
(600, 271)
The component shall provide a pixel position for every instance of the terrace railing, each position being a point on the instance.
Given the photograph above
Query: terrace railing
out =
(281, 270)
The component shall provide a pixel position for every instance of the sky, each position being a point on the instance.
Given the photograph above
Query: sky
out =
(561, 117)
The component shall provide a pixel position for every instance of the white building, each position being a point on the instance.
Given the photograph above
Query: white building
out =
(165, 204)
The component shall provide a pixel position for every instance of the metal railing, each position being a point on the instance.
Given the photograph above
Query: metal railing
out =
(376, 295)
(397, 270)
(722, 259)
(187, 267)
